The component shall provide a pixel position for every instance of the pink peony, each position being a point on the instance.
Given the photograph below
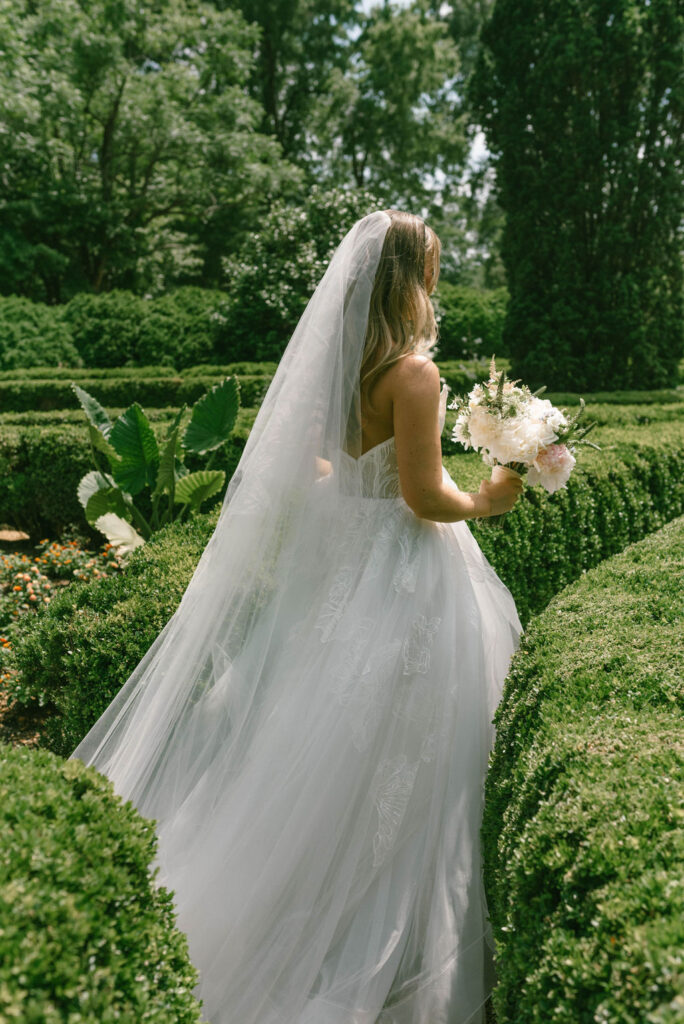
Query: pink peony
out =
(552, 467)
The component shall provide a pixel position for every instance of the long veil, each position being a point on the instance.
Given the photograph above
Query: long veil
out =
(187, 697)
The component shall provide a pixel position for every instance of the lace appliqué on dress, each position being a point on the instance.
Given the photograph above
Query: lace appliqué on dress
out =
(416, 649)
(391, 789)
(332, 610)
(363, 685)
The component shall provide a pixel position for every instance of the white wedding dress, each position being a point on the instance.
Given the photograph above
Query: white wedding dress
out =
(310, 731)
(331, 873)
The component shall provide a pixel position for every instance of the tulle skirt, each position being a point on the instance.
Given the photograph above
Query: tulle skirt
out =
(326, 862)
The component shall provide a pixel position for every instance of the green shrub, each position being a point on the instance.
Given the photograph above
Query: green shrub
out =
(271, 278)
(43, 457)
(180, 327)
(30, 333)
(241, 369)
(613, 498)
(470, 321)
(85, 933)
(86, 647)
(83, 372)
(582, 828)
(116, 328)
(664, 396)
(56, 392)
(105, 328)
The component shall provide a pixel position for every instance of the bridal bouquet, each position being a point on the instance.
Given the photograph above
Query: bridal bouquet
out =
(516, 431)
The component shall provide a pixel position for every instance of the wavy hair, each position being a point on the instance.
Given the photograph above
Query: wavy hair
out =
(401, 318)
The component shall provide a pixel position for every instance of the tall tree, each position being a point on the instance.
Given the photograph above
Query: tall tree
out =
(389, 120)
(358, 99)
(126, 136)
(583, 105)
(299, 43)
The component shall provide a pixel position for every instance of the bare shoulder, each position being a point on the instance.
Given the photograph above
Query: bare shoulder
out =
(413, 374)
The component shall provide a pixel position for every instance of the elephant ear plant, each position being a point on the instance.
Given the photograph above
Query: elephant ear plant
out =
(137, 462)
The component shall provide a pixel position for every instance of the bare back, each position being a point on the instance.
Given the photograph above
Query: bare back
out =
(406, 400)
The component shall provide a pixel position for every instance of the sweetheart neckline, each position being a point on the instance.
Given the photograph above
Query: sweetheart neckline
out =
(363, 454)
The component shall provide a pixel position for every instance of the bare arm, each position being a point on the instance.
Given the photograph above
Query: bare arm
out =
(415, 388)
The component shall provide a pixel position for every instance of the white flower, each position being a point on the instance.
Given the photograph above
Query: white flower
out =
(517, 438)
(542, 409)
(552, 467)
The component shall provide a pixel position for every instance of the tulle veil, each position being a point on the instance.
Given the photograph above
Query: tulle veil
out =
(187, 695)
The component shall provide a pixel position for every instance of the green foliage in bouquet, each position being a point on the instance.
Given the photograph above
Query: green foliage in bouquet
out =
(136, 462)
(85, 933)
(582, 829)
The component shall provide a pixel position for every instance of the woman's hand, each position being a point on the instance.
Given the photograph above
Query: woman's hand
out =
(501, 495)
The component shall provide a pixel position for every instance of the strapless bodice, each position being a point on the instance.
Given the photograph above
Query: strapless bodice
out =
(375, 473)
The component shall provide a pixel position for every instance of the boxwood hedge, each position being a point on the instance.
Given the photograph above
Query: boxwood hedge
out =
(52, 389)
(86, 934)
(31, 394)
(614, 497)
(107, 372)
(77, 655)
(64, 655)
(583, 836)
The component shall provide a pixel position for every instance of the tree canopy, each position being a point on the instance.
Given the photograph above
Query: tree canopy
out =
(126, 137)
(583, 106)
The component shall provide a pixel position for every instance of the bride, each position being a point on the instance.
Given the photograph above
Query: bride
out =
(311, 728)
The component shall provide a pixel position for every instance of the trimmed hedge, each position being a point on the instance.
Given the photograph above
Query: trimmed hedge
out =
(82, 372)
(111, 328)
(32, 332)
(41, 464)
(79, 653)
(56, 393)
(107, 372)
(614, 497)
(470, 320)
(85, 933)
(64, 655)
(583, 837)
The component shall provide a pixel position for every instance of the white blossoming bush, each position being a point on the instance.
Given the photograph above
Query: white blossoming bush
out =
(270, 280)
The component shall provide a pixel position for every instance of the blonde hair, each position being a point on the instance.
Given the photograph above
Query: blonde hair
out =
(401, 318)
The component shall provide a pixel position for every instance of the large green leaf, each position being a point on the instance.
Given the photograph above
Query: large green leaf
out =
(109, 499)
(91, 483)
(94, 411)
(213, 417)
(134, 440)
(101, 443)
(195, 487)
(166, 474)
